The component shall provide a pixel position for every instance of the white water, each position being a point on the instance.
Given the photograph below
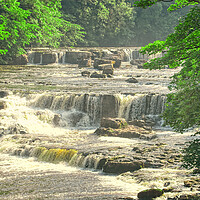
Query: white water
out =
(26, 178)
(29, 179)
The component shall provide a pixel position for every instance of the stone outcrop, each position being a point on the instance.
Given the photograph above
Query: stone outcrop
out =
(20, 60)
(132, 80)
(119, 128)
(110, 106)
(121, 167)
(150, 194)
(85, 62)
(3, 105)
(49, 58)
(97, 75)
(98, 63)
(146, 124)
(73, 57)
(85, 73)
(108, 69)
(138, 62)
(3, 94)
(115, 123)
(129, 132)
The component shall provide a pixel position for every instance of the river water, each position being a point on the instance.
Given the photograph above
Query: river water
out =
(55, 107)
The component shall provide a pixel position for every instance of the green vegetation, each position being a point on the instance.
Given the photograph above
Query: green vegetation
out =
(54, 155)
(118, 23)
(33, 22)
(58, 23)
(182, 49)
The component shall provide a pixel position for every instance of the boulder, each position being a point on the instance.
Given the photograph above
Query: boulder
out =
(98, 62)
(121, 167)
(132, 80)
(35, 57)
(117, 63)
(56, 120)
(3, 105)
(188, 197)
(115, 123)
(108, 69)
(85, 73)
(20, 60)
(110, 106)
(49, 58)
(3, 94)
(127, 132)
(85, 62)
(97, 75)
(116, 60)
(142, 123)
(150, 194)
(73, 57)
(138, 62)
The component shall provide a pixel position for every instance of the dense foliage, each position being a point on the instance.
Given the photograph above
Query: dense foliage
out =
(182, 49)
(35, 22)
(118, 23)
(106, 22)
(155, 23)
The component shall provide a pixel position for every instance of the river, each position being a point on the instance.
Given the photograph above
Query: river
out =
(54, 107)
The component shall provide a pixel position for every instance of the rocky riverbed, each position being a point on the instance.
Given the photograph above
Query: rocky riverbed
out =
(35, 119)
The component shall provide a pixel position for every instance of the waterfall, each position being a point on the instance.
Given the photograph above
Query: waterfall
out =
(96, 106)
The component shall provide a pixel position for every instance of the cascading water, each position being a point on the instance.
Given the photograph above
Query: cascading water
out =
(130, 107)
(33, 131)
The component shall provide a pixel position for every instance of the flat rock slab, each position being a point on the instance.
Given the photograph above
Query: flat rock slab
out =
(127, 132)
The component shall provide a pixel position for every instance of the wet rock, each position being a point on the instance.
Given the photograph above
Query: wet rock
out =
(84, 62)
(20, 60)
(3, 105)
(101, 163)
(75, 118)
(138, 62)
(121, 167)
(17, 129)
(132, 80)
(150, 194)
(115, 123)
(190, 183)
(128, 132)
(99, 62)
(49, 58)
(108, 69)
(56, 119)
(85, 73)
(97, 75)
(186, 197)
(140, 123)
(73, 57)
(3, 94)
(117, 63)
(110, 106)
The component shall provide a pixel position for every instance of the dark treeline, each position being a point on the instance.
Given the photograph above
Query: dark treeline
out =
(118, 23)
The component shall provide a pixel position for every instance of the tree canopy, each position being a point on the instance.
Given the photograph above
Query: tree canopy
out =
(182, 49)
(36, 22)
(106, 22)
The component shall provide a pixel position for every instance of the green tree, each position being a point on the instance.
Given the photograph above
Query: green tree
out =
(155, 23)
(35, 22)
(106, 22)
(182, 49)
(15, 31)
